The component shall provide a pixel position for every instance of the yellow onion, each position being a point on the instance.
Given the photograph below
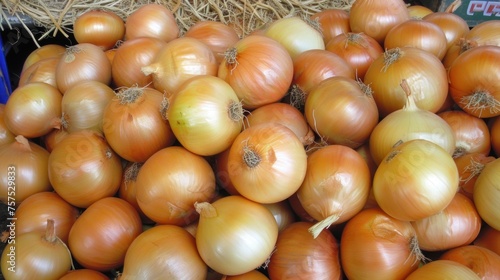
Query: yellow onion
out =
(443, 269)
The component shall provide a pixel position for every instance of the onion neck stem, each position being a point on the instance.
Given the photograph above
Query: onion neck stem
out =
(205, 209)
(50, 231)
(410, 105)
(24, 143)
(317, 228)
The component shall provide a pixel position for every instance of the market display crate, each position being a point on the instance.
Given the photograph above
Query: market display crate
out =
(472, 11)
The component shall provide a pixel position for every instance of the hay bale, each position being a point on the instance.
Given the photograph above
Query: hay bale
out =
(244, 15)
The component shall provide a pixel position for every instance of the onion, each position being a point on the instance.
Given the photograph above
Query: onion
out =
(205, 115)
(235, 235)
(84, 274)
(471, 133)
(295, 34)
(470, 167)
(382, 16)
(222, 173)
(82, 62)
(336, 186)
(84, 169)
(33, 110)
(300, 256)
(51, 139)
(130, 57)
(170, 182)
(25, 171)
(421, 34)
(313, 66)
(151, 20)
(102, 234)
(443, 269)
(473, 79)
(128, 188)
(419, 11)
(99, 27)
(353, 103)
(137, 115)
(36, 255)
(357, 49)
(453, 26)
(494, 126)
(332, 22)
(267, 163)
(488, 238)
(163, 251)
(33, 212)
(424, 73)
(83, 106)
(43, 52)
(41, 71)
(374, 245)
(286, 115)
(457, 225)
(216, 35)
(418, 173)
(484, 262)
(251, 275)
(178, 61)
(259, 69)
(5, 135)
(282, 212)
(299, 210)
(410, 122)
(486, 194)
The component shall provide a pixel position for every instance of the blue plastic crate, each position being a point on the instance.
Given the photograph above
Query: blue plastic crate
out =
(5, 86)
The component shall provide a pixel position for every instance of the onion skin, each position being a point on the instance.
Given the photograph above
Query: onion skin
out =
(332, 22)
(5, 135)
(443, 269)
(42, 71)
(486, 194)
(300, 256)
(163, 252)
(418, 173)
(84, 274)
(473, 81)
(152, 20)
(489, 238)
(457, 225)
(453, 26)
(470, 167)
(251, 275)
(484, 262)
(26, 163)
(43, 52)
(391, 243)
(102, 234)
(99, 27)
(494, 126)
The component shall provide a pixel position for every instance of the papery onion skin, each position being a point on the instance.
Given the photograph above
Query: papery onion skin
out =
(267, 163)
(282, 212)
(100, 237)
(419, 11)
(489, 238)
(332, 22)
(251, 275)
(84, 169)
(36, 255)
(235, 235)
(418, 173)
(357, 49)
(453, 25)
(352, 103)
(300, 256)
(42, 71)
(473, 79)
(374, 245)
(471, 133)
(205, 115)
(136, 114)
(152, 20)
(259, 69)
(82, 62)
(178, 61)
(25, 164)
(99, 27)
(285, 114)
(486, 194)
(84, 274)
(217, 35)
(336, 185)
(457, 225)
(33, 212)
(420, 34)
(170, 182)
(382, 17)
(470, 167)
(295, 34)
(484, 262)
(163, 252)
(5, 135)
(494, 126)
(83, 106)
(424, 72)
(130, 57)
(43, 52)
(443, 269)
(33, 110)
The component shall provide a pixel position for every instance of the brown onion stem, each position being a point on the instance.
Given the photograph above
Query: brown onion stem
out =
(391, 56)
(317, 228)
(25, 145)
(205, 209)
